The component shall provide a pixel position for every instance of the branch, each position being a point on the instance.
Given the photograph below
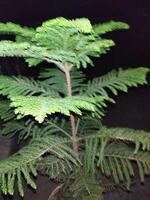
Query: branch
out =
(53, 194)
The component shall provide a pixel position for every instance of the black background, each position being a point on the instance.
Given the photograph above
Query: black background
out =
(132, 50)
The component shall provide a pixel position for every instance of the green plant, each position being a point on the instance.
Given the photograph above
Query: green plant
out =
(59, 113)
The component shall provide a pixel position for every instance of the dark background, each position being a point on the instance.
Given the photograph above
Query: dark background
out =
(132, 50)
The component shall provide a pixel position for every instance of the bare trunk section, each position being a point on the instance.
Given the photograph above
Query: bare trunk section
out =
(72, 118)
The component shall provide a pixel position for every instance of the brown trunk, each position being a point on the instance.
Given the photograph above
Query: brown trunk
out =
(72, 118)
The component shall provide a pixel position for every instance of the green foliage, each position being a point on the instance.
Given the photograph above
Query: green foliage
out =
(55, 167)
(60, 110)
(116, 81)
(140, 138)
(25, 49)
(11, 28)
(22, 164)
(6, 113)
(109, 26)
(81, 25)
(57, 40)
(40, 107)
(31, 129)
(56, 79)
(85, 186)
(118, 163)
(95, 144)
(14, 86)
